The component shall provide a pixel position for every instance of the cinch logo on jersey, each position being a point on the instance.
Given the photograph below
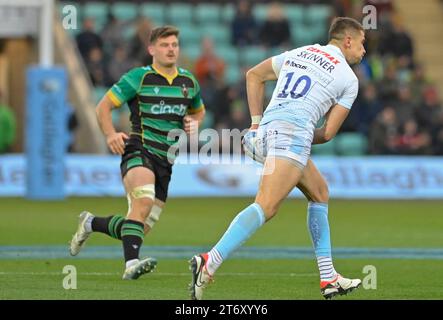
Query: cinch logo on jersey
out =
(158, 105)
(320, 57)
(163, 108)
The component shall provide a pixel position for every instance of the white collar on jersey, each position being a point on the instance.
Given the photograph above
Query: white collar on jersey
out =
(336, 49)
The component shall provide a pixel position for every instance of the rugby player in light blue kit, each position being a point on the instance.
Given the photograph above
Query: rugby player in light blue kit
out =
(312, 82)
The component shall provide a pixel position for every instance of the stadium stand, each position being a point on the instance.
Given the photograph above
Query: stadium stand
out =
(392, 59)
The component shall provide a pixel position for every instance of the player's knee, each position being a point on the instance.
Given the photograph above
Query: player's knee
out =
(268, 204)
(142, 200)
(269, 209)
(321, 194)
(144, 206)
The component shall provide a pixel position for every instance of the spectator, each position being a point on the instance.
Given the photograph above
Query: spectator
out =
(112, 34)
(96, 67)
(209, 66)
(366, 109)
(430, 116)
(404, 105)
(387, 87)
(185, 61)
(223, 98)
(119, 64)
(427, 114)
(275, 30)
(404, 69)
(239, 119)
(244, 27)
(376, 68)
(372, 42)
(139, 44)
(396, 42)
(88, 39)
(383, 133)
(412, 141)
(8, 126)
(341, 7)
(239, 115)
(209, 71)
(418, 83)
(371, 107)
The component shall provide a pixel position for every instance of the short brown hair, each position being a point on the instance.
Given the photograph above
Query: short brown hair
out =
(340, 25)
(163, 32)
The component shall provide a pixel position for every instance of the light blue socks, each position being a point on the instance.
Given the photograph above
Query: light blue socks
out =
(318, 226)
(244, 225)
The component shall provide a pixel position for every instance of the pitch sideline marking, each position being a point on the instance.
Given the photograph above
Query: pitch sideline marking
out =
(181, 252)
(168, 274)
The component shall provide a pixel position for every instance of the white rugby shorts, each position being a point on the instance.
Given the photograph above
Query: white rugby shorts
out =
(279, 139)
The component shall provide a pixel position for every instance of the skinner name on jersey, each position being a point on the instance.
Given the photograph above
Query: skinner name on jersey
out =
(324, 59)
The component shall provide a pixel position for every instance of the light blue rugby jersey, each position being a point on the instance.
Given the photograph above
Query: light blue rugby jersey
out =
(311, 79)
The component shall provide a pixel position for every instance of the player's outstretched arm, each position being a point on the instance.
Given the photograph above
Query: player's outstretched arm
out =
(255, 87)
(115, 140)
(334, 119)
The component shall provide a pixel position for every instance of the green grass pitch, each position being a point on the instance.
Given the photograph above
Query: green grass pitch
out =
(201, 222)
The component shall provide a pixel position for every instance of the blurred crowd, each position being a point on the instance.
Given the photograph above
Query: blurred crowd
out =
(398, 109)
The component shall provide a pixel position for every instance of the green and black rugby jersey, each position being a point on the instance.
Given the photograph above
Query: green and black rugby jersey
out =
(158, 103)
